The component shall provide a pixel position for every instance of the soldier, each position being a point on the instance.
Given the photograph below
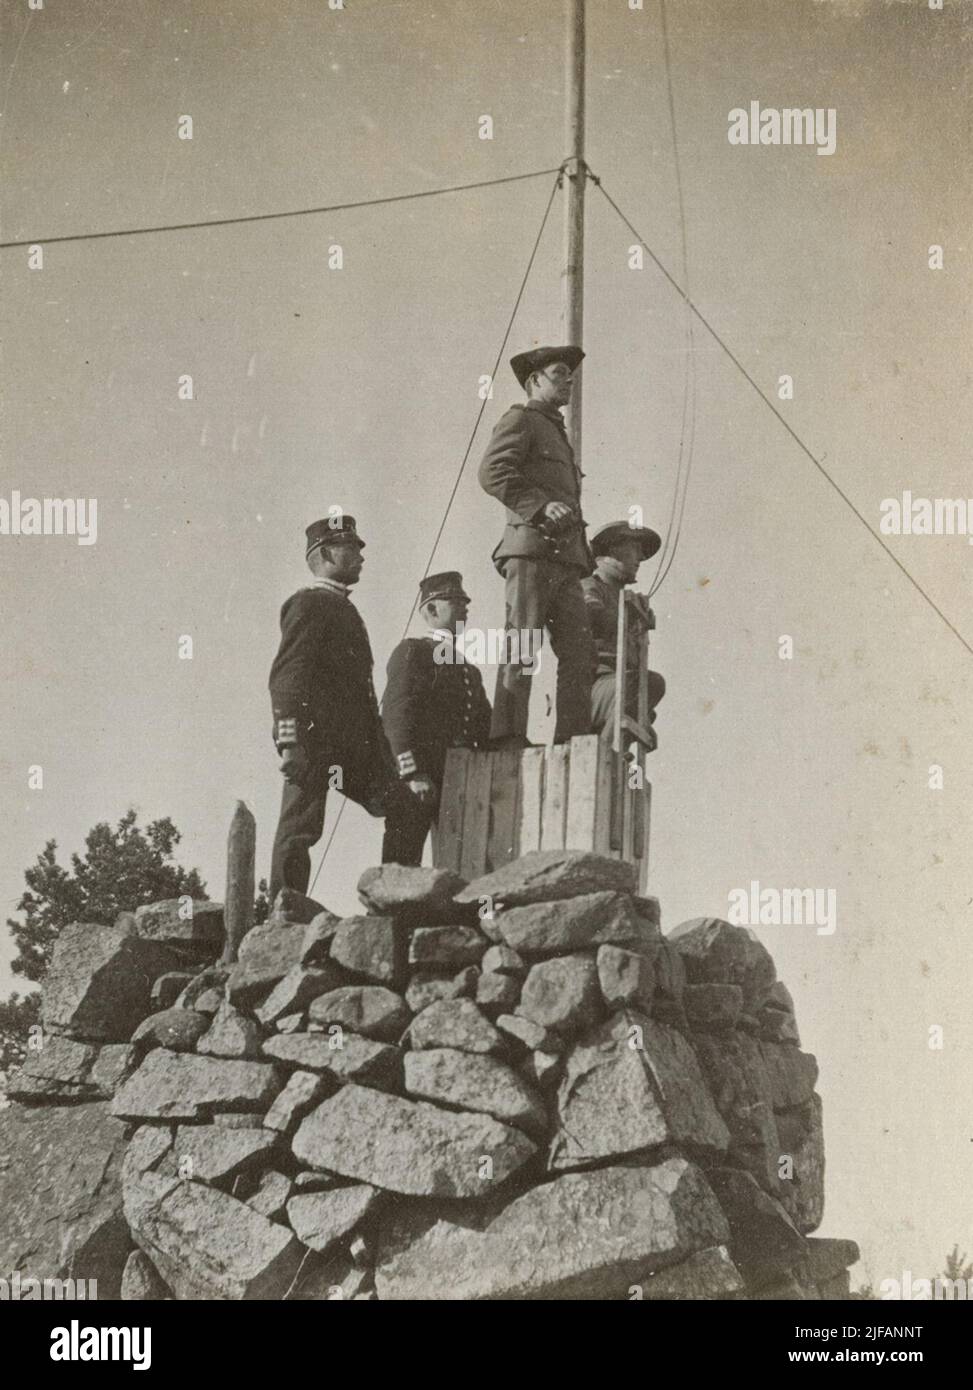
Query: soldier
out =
(529, 466)
(327, 726)
(434, 700)
(619, 550)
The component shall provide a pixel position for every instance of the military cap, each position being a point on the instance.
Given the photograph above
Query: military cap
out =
(449, 584)
(607, 536)
(331, 530)
(539, 358)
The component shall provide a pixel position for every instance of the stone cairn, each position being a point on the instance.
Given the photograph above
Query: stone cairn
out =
(516, 1088)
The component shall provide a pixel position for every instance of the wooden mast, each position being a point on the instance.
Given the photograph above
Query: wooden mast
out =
(576, 173)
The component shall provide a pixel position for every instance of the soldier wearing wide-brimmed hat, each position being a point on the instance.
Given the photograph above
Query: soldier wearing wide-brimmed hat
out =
(327, 727)
(530, 467)
(434, 700)
(619, 549)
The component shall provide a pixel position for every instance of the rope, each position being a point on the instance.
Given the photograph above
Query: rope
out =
(274, 216)
(681, 487)
(789, 428)
(462, 468)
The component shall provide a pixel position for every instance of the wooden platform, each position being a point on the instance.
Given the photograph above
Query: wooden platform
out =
(497, 806)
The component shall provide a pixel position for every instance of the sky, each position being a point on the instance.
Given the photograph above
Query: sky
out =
(358, 387)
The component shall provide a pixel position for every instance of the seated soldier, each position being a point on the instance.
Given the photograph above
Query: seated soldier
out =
(619, 550)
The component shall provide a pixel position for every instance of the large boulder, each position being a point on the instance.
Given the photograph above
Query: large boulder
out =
(183, 1086)
(207, 1245)
(99, 985)
(583, 1236)
(267, 953)
(545, 875)
(475, 1083)
(370, 1010)
(629, 1085)
(716, 952)
(182, 921)
(357, 1059)
(400, 890)
(61, 1195)
(410, 1146)
(574, 924)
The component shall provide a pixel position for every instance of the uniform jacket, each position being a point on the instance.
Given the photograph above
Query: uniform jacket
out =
(321, 682)
(429, 706)
(601, 591)
(529, 463)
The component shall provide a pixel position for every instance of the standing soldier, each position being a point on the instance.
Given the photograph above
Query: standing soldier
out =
(326, 721)
(529, 466)
(619, 550)
(434, 700)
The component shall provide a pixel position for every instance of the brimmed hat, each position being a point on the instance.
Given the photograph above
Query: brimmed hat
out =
(449, 584)
(539, 358)
(607, 536)
(332, 531)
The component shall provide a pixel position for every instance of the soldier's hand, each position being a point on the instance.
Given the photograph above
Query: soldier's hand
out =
(423, 788)
(557, 513)
(294, 764)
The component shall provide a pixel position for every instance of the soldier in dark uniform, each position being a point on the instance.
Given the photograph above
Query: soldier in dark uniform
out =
(619, 550)
(434, 700)
(529, 466)
(327, 726)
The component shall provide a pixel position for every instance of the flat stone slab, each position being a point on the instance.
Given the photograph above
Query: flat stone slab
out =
(371, 1010)
(405, 890)
(214, 1153)
(191, 921)
(357, 1059)
(707, 1275)
(588, 1235)
(475, 1083)
(545, 875)
(574, 924)
(183, 1086)
(447, 947)
(410, 1146)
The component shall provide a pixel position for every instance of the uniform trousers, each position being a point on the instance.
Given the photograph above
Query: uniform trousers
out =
(543, 595)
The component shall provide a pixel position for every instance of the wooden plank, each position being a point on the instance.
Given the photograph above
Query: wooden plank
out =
(555, 796)
(579, 832)
(616, 819)
(476, 816)
(644, 862)
(530, 800)
(447, 836)
(502, 830)
(603, 798)
(628, 821)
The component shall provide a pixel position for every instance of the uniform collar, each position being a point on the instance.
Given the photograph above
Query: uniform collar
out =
(551, 411)
(319, 582)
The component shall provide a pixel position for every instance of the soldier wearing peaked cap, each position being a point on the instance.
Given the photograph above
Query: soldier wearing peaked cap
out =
(619, 550)
(327, 726)
(434, 700)
(530, 467)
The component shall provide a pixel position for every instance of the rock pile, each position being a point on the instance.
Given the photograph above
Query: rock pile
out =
(515, 1088)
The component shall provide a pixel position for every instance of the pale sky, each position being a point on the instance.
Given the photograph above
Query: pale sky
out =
(358, 388)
